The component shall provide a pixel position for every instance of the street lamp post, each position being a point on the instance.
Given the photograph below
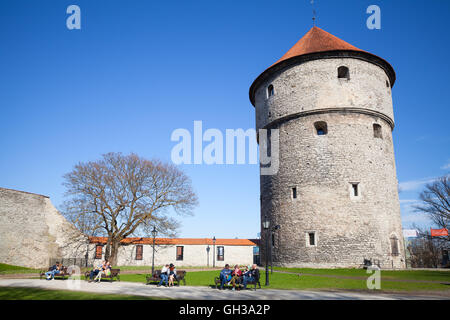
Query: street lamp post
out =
(207, 253)
(153, 256)
(266, 225)
(214, 252)
(271, 246)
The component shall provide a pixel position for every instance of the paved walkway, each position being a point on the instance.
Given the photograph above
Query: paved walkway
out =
(204, 293)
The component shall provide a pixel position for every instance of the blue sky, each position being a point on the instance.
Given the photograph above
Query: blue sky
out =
(137, 70)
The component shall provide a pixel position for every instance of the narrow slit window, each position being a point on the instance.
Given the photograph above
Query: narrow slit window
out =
(270, 91)
(312, 238)
(321, 128)
(343, 73)
(377, 131)
(355, 189)
(294, 193)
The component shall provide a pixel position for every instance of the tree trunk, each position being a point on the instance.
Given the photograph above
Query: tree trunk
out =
(114, 252)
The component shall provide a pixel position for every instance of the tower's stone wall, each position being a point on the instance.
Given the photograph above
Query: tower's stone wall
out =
(322, 168)
(314, 85)
(32, 231)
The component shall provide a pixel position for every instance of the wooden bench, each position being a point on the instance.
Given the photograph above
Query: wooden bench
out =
(155, 277)
(115, 273)
(62, 273)
(239, 282)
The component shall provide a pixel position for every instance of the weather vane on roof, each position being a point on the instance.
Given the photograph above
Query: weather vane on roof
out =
(314, 13)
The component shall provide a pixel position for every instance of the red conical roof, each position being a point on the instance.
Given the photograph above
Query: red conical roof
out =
(317, 40)
(318, 44)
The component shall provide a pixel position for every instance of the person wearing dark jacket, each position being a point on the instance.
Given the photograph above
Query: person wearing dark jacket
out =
(55, 269)
(251, 276)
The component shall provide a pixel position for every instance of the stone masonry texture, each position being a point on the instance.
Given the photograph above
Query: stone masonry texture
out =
(322, 168)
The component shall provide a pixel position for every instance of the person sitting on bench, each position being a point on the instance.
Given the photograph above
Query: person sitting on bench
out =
(225, 276)
(164, 275)
(172, 274)
(55, 269)
(95, 271)
(236, 275)
(106, 270)
(251, 276)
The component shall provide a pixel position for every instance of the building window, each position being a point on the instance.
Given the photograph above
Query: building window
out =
(294, 192)
(139, 251)
(394, 245)
(311, 240)
(355, 189)
(343, 73)
(98, 251)
(180, 252)
(377, 131)
(220, 254)
(321, 128)
(270, 91)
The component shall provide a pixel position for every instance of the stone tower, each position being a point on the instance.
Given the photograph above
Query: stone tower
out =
(335, 193)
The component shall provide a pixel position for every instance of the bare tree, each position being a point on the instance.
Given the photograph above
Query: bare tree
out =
(123, 196)
(425, 251)
(435, 202)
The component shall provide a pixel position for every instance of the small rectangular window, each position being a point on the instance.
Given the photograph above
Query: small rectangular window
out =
(180, 252)
(294, 193)
(355, 189)
(312, 238)
(377, 131)
(139, 252)
(270, 91)
(98, 251)
(220, 254)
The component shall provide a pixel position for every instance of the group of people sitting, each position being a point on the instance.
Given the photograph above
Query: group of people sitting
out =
(168, 275)
(237, 276)
(55, 269)
(103, 268)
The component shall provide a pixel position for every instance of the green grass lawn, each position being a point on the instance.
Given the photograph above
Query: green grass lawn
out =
(293, 281)
(422, 275)
(319, 278)
(9, 269)
(13, 293)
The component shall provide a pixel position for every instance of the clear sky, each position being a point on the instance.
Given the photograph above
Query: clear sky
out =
(137, 70)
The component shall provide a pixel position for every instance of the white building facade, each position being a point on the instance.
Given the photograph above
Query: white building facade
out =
(202, 252)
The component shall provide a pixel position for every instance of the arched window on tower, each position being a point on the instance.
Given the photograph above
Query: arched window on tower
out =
(394, 245)
(377, 131)
(343, 73)
(321, 128)
(270, 91)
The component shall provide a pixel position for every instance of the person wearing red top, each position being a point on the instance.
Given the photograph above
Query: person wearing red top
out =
(236, 276)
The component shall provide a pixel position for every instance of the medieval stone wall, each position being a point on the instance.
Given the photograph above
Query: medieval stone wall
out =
(32, 231)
